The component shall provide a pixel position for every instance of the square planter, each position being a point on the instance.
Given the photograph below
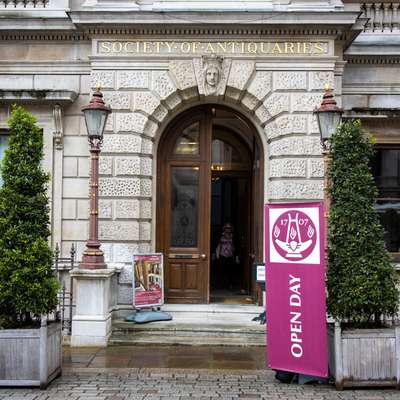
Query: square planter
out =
(364, 357)
(30, 357)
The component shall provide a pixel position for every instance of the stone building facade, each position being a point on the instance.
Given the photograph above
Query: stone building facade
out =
(271, 60)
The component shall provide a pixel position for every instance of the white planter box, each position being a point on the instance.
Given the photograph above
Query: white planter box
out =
(30, 357)
(364, 357)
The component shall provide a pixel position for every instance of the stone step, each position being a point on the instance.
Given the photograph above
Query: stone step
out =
(117, 340)
(203, 324)
(187, 329)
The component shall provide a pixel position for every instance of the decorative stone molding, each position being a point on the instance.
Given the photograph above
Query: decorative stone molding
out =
(211, 73)
(58, 127)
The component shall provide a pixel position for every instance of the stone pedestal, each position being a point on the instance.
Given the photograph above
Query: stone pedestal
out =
(91, 324)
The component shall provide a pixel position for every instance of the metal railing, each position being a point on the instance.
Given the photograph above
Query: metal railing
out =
(66, 306)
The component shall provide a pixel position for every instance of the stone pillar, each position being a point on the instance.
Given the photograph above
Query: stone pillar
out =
(91, 324)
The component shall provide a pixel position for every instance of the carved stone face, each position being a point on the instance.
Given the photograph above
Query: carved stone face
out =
(212, 76)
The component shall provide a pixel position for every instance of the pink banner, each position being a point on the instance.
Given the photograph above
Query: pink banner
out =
(295, 287)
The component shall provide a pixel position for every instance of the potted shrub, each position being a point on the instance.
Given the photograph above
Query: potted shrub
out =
(361, 278)
(30, 348)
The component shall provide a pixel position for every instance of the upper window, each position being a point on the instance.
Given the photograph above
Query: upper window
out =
(386, 170)
(3, 146)
(188, 142)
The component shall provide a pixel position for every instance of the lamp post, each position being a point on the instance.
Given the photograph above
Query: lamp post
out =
(329, 117)
(96, 114)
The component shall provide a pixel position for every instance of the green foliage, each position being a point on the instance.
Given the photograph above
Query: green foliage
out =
(27, 284)
(361, 278)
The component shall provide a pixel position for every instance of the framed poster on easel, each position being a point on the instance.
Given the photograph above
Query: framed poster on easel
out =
(148, 280)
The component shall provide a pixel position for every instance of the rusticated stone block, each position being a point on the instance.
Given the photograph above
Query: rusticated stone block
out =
(105, 165)
(147, 146)
(277, 103)
(260, 86)
(183, 71)
(131, 122)
(250, 102)
(145, 230)
(103, 78)
(150, 129)
(262, 114)
(119, 230)
(145, 209)
(306, 101)
(146, 187)
(290, 80)
(114, 187)
(148, 103)
(123, 252)
(122, 144)
(316, 168)
(292, 190)
(117, 100)
(127, 209)
(288, 168)
(318, 79)
(162, 84)
(126, 274)
(133, 79)
(299, 145)
(286, 125)
(240, 73)
(105, 209)
(127, 165)
(146, 166)
(145, 248)
(125, 294)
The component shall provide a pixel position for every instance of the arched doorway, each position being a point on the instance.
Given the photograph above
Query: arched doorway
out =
(209, 173)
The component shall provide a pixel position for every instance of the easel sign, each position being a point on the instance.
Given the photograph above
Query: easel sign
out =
(148, 280)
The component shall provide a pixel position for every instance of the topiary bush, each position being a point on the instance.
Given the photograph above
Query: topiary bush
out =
(27, 285)
(361, 278)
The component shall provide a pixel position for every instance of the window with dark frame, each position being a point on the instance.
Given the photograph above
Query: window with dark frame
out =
(386, 170)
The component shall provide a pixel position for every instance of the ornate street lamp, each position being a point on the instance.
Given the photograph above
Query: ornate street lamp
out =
(96, 114)
(329, 117)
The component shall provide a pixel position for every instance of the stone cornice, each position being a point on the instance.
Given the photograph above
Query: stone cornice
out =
(372, 59)
(42, 96)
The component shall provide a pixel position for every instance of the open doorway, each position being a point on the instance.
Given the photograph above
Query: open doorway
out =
(209, 174)
(231, 199)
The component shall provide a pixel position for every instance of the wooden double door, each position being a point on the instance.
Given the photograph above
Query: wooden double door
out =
(184, 179)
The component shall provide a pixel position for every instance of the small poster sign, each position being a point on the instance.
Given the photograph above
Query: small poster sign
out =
(148, 282)
(295, 277)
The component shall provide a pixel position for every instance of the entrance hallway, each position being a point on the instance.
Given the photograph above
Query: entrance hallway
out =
(196, 325)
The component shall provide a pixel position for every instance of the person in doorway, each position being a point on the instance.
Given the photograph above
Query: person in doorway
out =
(225, 253)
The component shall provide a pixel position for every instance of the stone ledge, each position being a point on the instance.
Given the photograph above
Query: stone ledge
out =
(44, 96)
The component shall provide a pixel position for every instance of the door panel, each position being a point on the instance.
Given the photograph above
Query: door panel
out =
(185, 217)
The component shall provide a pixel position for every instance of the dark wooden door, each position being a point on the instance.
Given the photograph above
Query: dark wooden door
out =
(184, 207)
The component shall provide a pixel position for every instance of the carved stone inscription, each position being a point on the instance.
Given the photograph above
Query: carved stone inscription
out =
(276, 48)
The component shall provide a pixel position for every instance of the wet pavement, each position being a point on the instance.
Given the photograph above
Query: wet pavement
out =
(228, 357)
(177, 373)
